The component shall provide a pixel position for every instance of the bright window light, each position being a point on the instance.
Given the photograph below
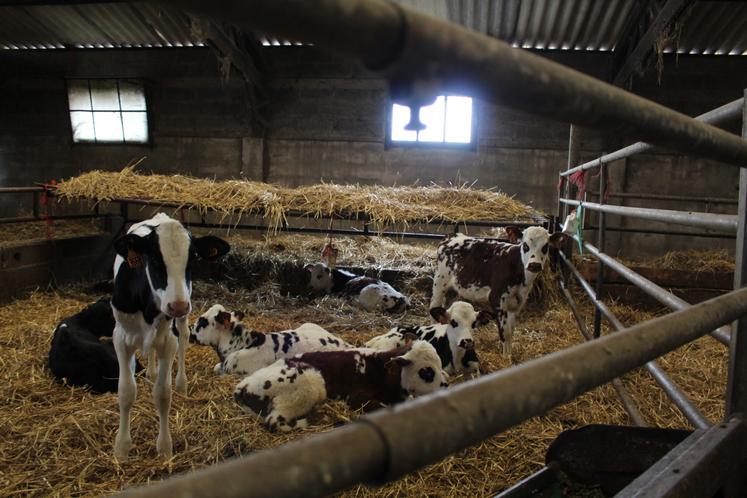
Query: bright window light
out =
(107, 111)
(447, 121)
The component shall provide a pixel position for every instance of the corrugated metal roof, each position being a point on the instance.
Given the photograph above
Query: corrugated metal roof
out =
(708, 27)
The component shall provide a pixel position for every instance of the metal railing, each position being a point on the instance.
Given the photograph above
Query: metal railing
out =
(409, 47)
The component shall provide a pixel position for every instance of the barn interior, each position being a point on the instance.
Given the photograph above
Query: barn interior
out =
(381, 128)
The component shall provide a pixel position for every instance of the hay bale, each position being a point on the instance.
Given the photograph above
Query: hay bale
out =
(233, 199)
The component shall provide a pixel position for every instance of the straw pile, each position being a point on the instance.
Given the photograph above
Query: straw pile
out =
(13, 233)
(57, 441)
(233, 199)
(714, 261)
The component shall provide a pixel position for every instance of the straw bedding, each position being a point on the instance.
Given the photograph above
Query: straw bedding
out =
(234, 198)
(698, 261)
(13, 233)
(57, 441)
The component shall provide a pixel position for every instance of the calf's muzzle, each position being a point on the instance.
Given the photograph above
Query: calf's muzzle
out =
(178, 309)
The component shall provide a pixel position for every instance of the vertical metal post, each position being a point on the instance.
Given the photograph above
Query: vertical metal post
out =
(35, 205)
(600, 244)
(736, 393)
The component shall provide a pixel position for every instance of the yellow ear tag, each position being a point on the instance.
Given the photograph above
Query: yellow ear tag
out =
(133, 259)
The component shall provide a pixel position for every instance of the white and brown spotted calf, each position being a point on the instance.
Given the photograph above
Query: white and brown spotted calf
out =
(489, 272)
(369, 293)
(451, 337)
(244, 351)
(286, 391)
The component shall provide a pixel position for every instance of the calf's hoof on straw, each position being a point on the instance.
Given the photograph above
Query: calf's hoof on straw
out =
(506, 350)
(122, 448)
(180, 386)
(164, 446)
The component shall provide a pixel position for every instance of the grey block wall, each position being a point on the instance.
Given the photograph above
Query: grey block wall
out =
(327, 121)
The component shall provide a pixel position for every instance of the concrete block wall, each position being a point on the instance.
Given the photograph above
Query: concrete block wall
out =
(327, 121)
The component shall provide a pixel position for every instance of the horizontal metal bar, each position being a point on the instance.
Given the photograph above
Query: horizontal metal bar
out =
(697, 467)
(20, 190)
(25, 219)
(530, 486)
(394, 441)
(423, 56)
(723, 222)
(726, 112)
(664, 232)
(625, 399)
(657, 292)
(665, 197)
(672, 390)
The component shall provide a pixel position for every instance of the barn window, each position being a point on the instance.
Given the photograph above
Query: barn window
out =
(107, 111)
(447, 121)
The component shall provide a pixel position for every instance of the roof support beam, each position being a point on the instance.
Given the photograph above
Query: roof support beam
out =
(636, 60)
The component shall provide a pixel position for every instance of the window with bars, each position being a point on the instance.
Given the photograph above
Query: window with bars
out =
(447, 121)
(108, 111)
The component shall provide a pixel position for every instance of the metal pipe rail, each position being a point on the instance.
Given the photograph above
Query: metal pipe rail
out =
(394, 441)
(625, 399)
(666, 197)
(706, 235)
(423, 56)
(657, 292)
(726, 112)
(670, 388)
(722, 222)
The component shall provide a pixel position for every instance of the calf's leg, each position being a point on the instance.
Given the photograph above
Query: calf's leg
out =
(181, 373)
(126, 389)
(165, 347)
(440, 286)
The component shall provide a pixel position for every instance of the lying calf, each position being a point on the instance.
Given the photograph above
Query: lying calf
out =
(80, 356)
(286, 391)
(244, 351)
(452, 336)
(369, 293)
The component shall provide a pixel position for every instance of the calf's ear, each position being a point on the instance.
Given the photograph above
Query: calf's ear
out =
(309, 268)
(557, 239)
(239, 315)
(224, 319)
(409, 337)
(401, 361)
(440, 315)
(210, 247)
(484, 317)
(514, 234)
(128, 244)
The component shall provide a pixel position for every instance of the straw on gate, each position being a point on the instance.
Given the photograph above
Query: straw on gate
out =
(58, 440)
(699, 261)
(13, 233)
(381, 206)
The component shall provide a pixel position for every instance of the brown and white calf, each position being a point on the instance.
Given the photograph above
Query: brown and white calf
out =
(151, 296)
(493, 273)
(451, 337)
(369, 293)
(244, 351)
(286, 391)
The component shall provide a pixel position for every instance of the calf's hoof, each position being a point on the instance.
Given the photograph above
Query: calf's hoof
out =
(122, 447)
(506, 350)
(180, 386)
(164, 446)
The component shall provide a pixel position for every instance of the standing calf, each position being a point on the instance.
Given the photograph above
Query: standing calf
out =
(244, 351)
(369, 293)
(451, 337)
(152, 290)
(286, 391)
(493, 273)
(78, 354)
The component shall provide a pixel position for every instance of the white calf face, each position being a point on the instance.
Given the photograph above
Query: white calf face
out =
(535, 247)
(421, 370)
(461, 320)
(320, 277)
(214, 325)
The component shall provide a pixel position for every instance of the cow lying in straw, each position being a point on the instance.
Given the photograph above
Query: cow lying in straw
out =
(79, 356)
(286, 391)
(493, 273)
(451, 337)
(244, 351)
(369, 293)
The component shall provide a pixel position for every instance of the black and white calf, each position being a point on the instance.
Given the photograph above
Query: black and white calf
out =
(79, 356)
(493, 273)
(452, 336)
(286, 391)
(369, 293)
(244, 351)
(152, 291)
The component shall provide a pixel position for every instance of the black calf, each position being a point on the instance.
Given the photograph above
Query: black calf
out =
(78, 355)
